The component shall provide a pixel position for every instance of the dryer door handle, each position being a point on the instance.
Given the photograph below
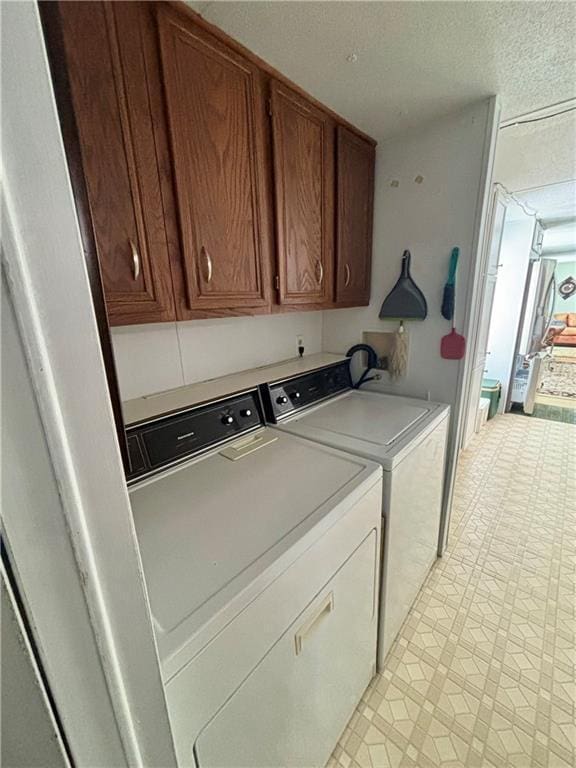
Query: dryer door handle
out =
(326, 607)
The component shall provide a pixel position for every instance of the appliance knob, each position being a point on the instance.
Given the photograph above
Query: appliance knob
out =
(295, 395)
(227, 419)
(246, 413)
(282, 400)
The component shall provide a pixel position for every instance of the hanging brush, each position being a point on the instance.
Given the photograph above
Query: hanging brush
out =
(398, 360)
(453, 345)
(449, 288)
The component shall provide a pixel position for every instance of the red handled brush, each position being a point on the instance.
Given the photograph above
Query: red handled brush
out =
(453, 345)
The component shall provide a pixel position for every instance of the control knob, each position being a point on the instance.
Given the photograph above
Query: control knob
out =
(282, 400)
(295, 395)
(227, 419)
(246, 413)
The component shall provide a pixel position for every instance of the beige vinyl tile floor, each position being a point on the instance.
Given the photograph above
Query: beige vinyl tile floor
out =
(482, 672)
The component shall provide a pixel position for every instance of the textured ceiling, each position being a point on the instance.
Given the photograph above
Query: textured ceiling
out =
(538, 154)
(553, 201)
(416, 60)
(555, 205)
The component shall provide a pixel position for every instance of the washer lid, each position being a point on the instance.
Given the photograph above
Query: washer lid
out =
(372, 424)
(207, 529)
(355, 416)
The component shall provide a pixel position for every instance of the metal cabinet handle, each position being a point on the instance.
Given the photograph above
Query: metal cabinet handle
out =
(135, 260)
(320, 271)
(346, 275)
(208, 264)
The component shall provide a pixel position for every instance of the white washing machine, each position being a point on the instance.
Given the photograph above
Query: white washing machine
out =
(407, 437)
(261, 554)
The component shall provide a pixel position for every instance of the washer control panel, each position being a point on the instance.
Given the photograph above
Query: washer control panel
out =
(283, 398)
(173, 438)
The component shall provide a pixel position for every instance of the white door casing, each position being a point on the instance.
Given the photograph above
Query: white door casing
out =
(479, 341)
(472, 303)
(66, 516)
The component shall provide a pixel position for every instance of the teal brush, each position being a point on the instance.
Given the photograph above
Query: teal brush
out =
(449, 288)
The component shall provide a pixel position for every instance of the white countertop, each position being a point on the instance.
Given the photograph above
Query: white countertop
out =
(151, 406)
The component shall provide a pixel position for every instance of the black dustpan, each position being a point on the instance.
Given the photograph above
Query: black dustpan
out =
(405, 301)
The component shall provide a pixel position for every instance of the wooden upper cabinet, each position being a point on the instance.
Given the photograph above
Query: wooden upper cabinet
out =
(188, 165)
(303, 147)
(355, 204)
(105, 52)
(216, 115)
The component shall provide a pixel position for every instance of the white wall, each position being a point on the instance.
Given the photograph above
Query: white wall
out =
(428, 219)
(152, 358)
(505, 317)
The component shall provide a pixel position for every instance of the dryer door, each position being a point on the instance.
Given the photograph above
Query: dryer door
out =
(293, 707)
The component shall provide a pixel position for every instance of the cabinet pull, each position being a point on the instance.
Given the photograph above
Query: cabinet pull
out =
(325, 608)
(320, 271)
(135, 260)
(208, 264)
(346, 275)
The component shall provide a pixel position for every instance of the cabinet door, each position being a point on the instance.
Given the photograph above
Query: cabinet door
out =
(108, 76)
(303, 144)
(355, 204)
(216, 116)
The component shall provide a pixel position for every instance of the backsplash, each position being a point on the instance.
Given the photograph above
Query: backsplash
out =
(152, 358)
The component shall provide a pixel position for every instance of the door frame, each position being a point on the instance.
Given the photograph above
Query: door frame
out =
(521, 321)
(49, 15)
(66, 516)
(483, 314)
(474, 293)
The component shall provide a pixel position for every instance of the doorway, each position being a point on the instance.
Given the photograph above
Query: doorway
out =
(525, 360)
(522, 333)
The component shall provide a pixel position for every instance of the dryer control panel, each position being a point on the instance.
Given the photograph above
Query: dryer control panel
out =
(173, 438)
(284, 398)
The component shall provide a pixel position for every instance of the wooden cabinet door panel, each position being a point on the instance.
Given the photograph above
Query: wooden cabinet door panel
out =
(355, 196)
(216, 119)
(303, 145)
(108, 82)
